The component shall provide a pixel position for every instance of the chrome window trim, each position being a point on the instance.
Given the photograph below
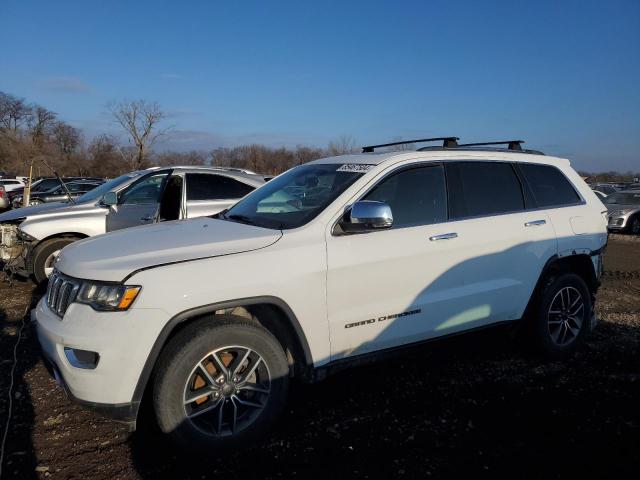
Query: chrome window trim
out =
(442, 162)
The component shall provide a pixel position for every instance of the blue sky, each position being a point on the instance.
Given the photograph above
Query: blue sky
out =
(563, 75)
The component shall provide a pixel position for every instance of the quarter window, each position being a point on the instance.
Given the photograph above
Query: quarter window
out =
(417, 196)
(204, 186)
(549, 186)
(483, 188)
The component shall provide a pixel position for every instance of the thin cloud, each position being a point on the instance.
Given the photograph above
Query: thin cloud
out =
(65, 85)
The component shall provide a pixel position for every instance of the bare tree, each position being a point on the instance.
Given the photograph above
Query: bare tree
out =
(14, 112)
(192, 157)
(139, 119)
(66, 137)
(40, 122)
(344, 144)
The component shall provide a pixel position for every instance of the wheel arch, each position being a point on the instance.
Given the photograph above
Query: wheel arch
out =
(271, 312)
(77, 235)
(35, 246)
(577, 262)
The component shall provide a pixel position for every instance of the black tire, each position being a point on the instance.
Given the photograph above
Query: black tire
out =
(542, 332)
(634, 225)
(177, 365)
(43, 252)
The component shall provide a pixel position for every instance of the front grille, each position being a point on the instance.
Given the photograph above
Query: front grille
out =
(61, 292)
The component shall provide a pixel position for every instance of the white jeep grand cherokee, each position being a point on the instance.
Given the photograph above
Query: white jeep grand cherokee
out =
(208, 319)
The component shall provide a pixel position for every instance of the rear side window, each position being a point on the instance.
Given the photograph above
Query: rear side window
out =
(482, 188)
(549, 185)
(204, 186)
(416, 196)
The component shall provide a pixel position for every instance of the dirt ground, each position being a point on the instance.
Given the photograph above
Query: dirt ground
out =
(471, 405)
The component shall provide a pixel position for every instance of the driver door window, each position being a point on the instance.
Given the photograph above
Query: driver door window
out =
(137, 204)
(417, 196)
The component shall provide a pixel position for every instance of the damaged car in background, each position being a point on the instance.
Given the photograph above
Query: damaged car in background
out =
(32, 237)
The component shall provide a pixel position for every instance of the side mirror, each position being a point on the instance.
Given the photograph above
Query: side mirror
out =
(366, 216)
(110, 198)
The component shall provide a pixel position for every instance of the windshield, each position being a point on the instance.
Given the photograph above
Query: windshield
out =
(624, 198)
(98, 193)
(295, 197)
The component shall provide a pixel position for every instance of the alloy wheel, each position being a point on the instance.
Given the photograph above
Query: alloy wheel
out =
(49, 262)
(566, 315)
(227, 390)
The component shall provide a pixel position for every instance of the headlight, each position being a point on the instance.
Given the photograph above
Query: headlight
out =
(107, 296)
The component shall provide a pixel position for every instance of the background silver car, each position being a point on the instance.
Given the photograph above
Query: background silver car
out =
(32, 237)
(624, 211)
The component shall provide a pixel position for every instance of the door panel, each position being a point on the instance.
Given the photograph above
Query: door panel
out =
(373, 277)
(138, 204)
(200, 208)
(378, 283)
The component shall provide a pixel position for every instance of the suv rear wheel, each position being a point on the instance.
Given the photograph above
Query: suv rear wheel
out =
(561, 316)
(220, 383)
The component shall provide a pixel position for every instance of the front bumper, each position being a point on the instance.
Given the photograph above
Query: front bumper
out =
(14, 250)
(617, 222)
(123, 341)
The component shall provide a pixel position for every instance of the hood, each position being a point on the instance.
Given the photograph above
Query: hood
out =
(45, 209)
(34, 210)
(113, 256)
(619, 206)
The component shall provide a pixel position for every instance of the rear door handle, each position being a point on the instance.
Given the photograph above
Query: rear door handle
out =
(444, 236)
(535, 223)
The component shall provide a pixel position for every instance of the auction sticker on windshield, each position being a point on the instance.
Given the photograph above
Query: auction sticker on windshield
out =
(355, 168)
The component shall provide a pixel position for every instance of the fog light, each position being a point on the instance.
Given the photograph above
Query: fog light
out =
(82, 358)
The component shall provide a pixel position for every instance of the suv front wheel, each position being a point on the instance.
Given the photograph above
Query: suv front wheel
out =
(220, 382)
(561, 316)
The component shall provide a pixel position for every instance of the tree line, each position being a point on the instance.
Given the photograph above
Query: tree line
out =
(31, 134)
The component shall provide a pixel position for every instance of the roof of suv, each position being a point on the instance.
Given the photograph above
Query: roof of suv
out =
(461, 153)
(236, 172)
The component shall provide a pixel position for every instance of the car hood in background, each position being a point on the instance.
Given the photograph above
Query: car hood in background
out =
(114, 256)
(612, 207)
(35, 210)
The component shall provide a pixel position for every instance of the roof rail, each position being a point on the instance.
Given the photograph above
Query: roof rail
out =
(447, 142)
(511, 144)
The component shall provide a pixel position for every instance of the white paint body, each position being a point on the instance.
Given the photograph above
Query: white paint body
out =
(484, 276)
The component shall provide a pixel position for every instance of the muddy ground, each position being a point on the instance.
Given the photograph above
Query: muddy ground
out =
(471, 405)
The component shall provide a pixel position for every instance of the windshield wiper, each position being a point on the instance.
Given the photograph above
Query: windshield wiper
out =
(240, 218)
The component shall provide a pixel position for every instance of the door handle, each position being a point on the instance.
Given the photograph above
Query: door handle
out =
(146, 219)
(443, 236)
(535, 223)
